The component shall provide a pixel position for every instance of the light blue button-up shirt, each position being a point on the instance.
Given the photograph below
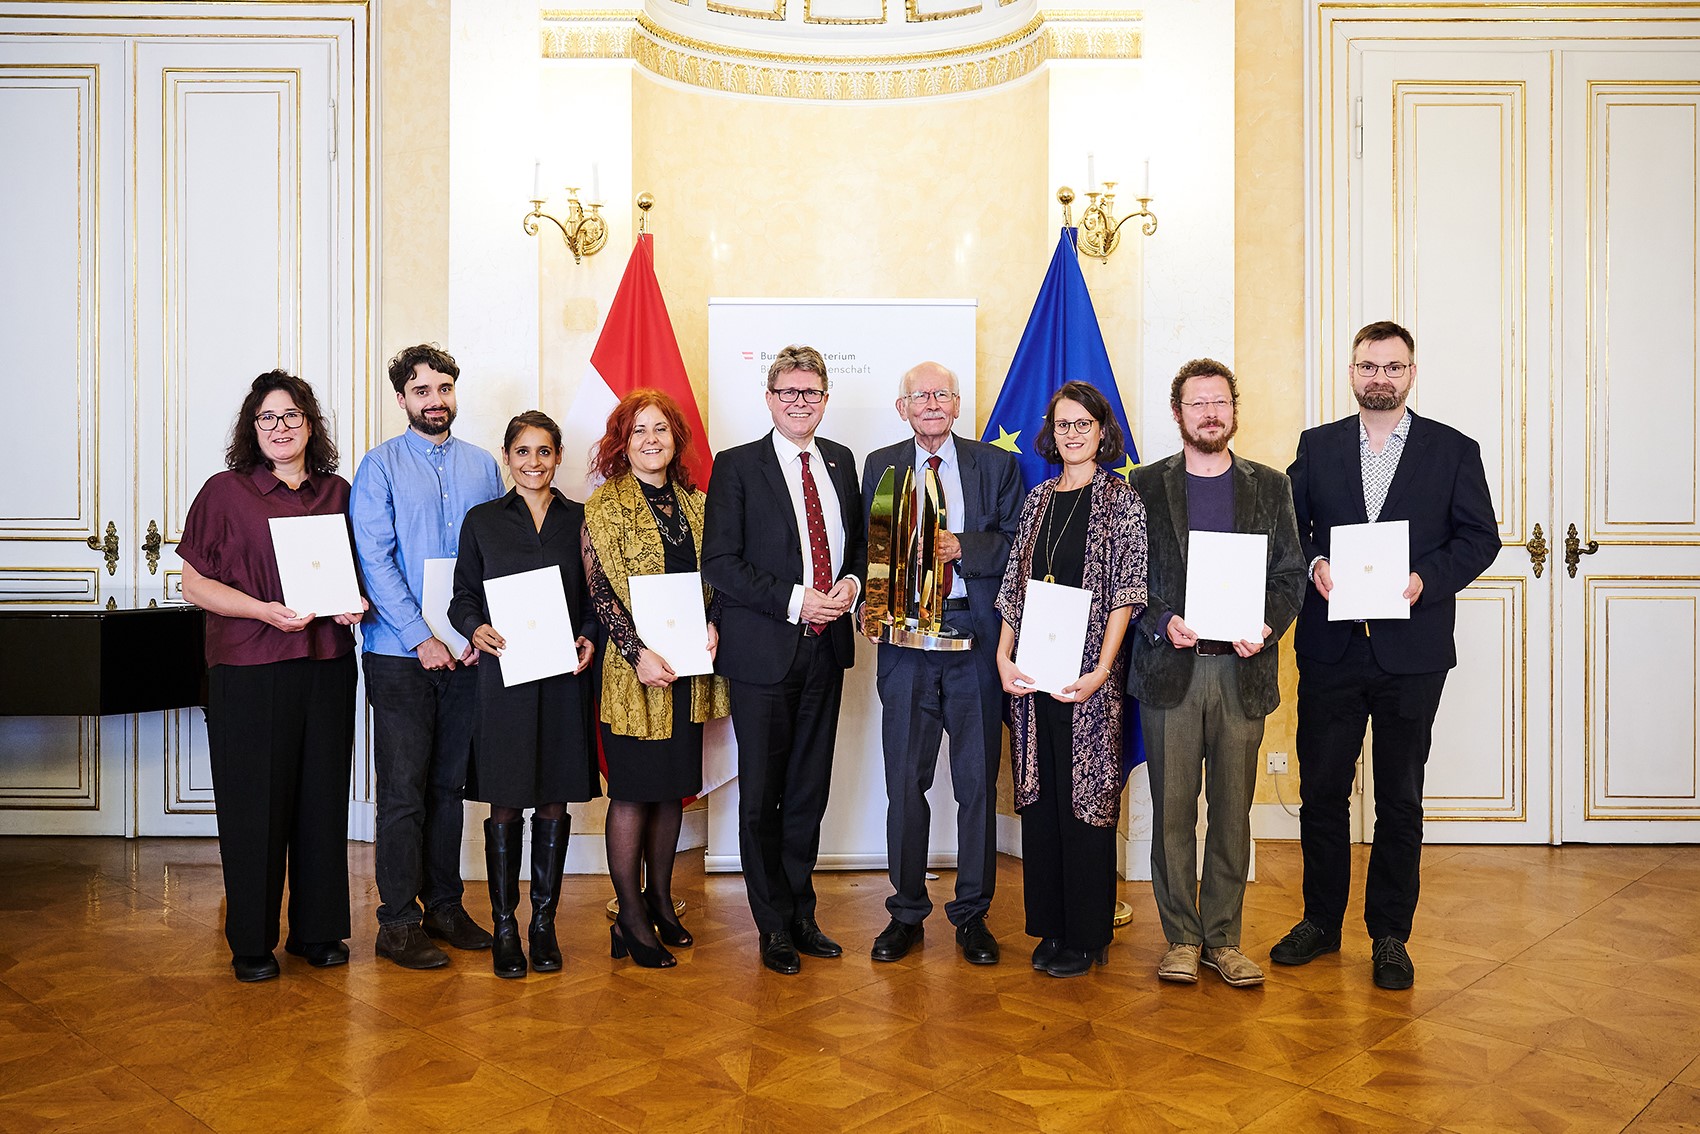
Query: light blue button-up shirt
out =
(409, 499)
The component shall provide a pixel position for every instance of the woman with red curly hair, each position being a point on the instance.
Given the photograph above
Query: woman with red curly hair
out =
(646, 519)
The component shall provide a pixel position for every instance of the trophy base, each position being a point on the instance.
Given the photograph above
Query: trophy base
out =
(911, 636)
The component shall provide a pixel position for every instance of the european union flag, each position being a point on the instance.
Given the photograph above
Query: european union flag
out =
(1062, 343)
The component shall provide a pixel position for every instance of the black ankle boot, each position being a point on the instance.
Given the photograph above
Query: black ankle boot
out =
(548, 860)
(503, 843)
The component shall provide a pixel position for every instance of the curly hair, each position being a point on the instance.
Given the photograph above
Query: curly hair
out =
(1111, 447)
(608, 456)
(243, 454)
(1201, 368)
(433, 356)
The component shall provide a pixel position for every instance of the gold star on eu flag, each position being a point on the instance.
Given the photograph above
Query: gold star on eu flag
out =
(1126, 471)
(1006, 440)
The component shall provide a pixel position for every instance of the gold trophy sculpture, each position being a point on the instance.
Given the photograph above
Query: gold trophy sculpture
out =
(904, 605)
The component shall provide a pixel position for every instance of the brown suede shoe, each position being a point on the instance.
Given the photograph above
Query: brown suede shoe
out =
(1233, 966)
(1179, 964)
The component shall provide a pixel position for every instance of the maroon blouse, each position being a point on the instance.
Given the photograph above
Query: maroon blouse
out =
(228, 539)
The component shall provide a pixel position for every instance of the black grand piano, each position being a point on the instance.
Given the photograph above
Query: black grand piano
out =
(132, 655)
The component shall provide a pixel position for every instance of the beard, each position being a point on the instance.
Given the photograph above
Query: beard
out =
(431, 428)
(1210, 445)
(1379, 397)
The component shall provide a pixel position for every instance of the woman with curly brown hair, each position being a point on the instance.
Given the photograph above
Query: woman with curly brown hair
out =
(280, 684)
(646, 519)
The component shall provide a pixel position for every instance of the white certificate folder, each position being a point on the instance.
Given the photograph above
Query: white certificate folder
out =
(1370, 565)
(1053, 634)
(1225, 573)
(315, 563)
(529, 610)
(434, 605)
(671, 621)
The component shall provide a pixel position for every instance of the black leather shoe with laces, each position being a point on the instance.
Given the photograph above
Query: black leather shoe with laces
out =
(1392, 965)
(1304, 943)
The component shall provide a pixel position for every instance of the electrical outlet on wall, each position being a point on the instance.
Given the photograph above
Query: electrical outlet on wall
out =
(1275, 763)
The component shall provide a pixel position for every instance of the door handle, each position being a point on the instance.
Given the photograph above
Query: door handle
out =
(151, 545)
(1574, 550)
(109, 545)
(1537, 546)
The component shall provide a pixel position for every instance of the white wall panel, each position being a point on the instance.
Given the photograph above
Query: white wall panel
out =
(1643, 752)
(48, 474)
(1645, 159)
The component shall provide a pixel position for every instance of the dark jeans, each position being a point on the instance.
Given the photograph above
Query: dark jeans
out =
(1336, 701)
(422, 739)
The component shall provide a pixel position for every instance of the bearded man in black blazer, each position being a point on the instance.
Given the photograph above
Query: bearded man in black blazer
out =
(1383, 463)
(926, 693)
(783, 545)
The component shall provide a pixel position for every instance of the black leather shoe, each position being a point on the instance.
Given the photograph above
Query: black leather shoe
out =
(898, 938)
(319, 954)
(454, 925)
(1304, 943)
(1393, 968)
(250, 969)
(1076, 962)
(408, 947)
(978, 945)
(779, 954)
(1045, 952)
(811, 942)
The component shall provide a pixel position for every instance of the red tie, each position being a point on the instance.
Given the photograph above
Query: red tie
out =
(949, 576)
(819, 551)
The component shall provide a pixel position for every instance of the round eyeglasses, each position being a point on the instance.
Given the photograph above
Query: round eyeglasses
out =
(288, 419)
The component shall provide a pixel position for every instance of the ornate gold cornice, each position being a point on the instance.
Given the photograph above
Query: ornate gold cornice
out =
(613, 34)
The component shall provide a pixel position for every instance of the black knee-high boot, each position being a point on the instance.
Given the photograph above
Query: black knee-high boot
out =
(548, 860)
(503, 844)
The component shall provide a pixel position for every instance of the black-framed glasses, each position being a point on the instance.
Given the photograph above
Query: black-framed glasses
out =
(922, 397)
(1082, 427)
(1391, 369)
(790, 395)
(289, 419)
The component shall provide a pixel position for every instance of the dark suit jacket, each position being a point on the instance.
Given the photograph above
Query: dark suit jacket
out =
(1263, 505)
(991, 512)
(752, 555)
(1441, 488)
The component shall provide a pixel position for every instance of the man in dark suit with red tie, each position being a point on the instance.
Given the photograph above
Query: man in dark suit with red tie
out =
(783, 545)
(1383, 463)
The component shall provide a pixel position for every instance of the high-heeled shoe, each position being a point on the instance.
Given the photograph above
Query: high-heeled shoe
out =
(645, 956)
(667, 925)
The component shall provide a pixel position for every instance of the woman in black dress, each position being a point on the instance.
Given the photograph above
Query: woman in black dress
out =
(646, 519)
(534, 745)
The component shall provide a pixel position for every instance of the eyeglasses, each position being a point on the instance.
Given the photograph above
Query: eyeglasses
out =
(1082, 427)
(790, 395)
(922, 397)
(289, 419)
(1391, 369)
(1217, 404)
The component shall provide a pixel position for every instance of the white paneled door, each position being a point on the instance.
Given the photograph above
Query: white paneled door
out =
(1522, 195)
(184, 206)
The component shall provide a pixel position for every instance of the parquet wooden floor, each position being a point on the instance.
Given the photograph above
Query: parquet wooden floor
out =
(1557, 990)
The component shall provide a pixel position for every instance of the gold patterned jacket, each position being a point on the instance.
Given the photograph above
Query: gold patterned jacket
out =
(625, 541)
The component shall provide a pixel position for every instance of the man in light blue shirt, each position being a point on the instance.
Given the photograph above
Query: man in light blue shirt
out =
(410, 495)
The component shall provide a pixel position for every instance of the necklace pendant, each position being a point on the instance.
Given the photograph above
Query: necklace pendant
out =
(1050, 578)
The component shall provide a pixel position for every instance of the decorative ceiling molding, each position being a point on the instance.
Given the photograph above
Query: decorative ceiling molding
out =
(775, 66)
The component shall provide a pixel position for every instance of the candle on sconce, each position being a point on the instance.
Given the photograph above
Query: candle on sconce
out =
(596, 183)
(1091, 171)
(536, 181)
(1145, 184)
